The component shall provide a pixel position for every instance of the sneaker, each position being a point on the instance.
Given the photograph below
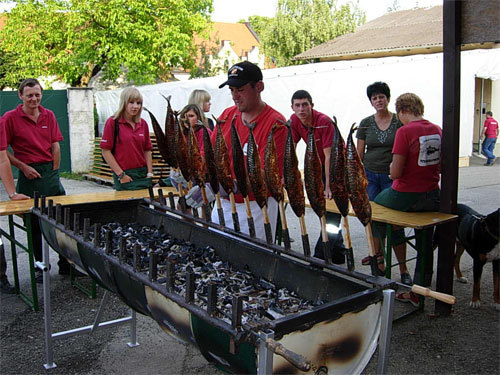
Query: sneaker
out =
(406, 279)
(487, 164)
(408, 297)
(6, 287)
(493, 161)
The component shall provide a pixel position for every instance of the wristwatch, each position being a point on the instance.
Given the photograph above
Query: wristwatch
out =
(149, 175)
(12, 195)
(121, 175)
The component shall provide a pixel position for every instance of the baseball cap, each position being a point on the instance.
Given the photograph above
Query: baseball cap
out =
(240, 74)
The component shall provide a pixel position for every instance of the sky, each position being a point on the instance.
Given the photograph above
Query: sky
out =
(235, 10)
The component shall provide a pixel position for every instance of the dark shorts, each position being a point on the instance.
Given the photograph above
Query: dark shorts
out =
(409, 202)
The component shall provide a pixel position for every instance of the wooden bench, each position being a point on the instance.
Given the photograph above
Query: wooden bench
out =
(424, 221)
(100, 171)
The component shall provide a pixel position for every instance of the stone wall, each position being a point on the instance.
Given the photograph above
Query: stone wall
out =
(81, 127)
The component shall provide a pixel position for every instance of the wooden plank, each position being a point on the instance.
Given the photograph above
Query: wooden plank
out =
(416, 220)
(22, 207)
(101, 170)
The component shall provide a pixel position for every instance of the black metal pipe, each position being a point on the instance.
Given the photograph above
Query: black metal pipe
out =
(50, 209)
(137, 255)
(153, 265)
(190, 287)
(211, 298)
(170, 270)
(76, 223)
(171, 200)
(108, 241)
(97, 234)
(86, 229)
(58, 213)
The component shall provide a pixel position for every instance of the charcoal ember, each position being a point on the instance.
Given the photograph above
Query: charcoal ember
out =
(263, 301)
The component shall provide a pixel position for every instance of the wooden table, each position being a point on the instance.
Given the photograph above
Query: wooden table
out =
(20, 208)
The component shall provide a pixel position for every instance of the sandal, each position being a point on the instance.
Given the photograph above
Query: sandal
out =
(366, 260)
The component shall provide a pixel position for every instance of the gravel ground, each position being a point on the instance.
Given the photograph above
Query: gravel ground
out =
(466, 342)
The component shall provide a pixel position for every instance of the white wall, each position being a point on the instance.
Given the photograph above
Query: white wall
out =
(495, 108)
(81, 127)
(338, 88)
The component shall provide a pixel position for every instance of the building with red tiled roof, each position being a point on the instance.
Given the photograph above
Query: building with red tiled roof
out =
(227, 44)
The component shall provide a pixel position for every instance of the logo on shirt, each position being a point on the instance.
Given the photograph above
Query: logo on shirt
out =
(430, 150)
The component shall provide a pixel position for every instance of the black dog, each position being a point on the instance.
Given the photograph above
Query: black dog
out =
(478, 235)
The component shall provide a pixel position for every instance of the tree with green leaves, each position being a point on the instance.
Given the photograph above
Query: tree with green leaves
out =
(73, 40)
(302, 24)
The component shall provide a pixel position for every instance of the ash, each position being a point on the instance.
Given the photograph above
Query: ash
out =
(262, 300)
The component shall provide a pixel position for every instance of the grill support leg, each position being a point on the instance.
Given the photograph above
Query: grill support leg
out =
(49, 336)
(133, 330)
(265, 360)
(49, 354)
(384, 341)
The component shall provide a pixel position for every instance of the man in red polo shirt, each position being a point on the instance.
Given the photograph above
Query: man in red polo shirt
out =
(490, 134)
(8, 183)
(246, 85)
(33, 133)
(304, 117)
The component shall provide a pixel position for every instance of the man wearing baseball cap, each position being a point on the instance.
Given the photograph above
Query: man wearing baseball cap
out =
(245, 83)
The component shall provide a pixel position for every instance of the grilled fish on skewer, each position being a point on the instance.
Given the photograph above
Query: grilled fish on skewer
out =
(169, 156)
(356, 182)
(339, 188)
(315, 188)
(256, 178)
(240, 172)
(312, 175)
(223, 165)
(272, 169)
(196, 163)
(181, 150)
(239, 166)
(337, 173)
(274, 182)
(254, 168)
(356, 187)
(294, 187)
(211, 168)
(160, 137)
(223, 168)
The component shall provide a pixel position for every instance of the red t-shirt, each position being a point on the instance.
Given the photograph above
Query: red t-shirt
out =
(323, 132)
(131, 143)
(3, 138)
(420, 142)
(30, 141)
(265, 121)
(491, 126)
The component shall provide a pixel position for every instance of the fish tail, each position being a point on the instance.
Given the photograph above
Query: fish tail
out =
(167, 98)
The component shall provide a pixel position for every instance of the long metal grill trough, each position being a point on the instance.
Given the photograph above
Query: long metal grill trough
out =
(220, 290)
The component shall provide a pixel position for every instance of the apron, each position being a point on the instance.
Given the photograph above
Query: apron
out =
(49, 184)
(139, 180)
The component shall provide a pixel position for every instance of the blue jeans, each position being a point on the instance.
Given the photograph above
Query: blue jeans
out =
(376, 183)
(488, 147)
